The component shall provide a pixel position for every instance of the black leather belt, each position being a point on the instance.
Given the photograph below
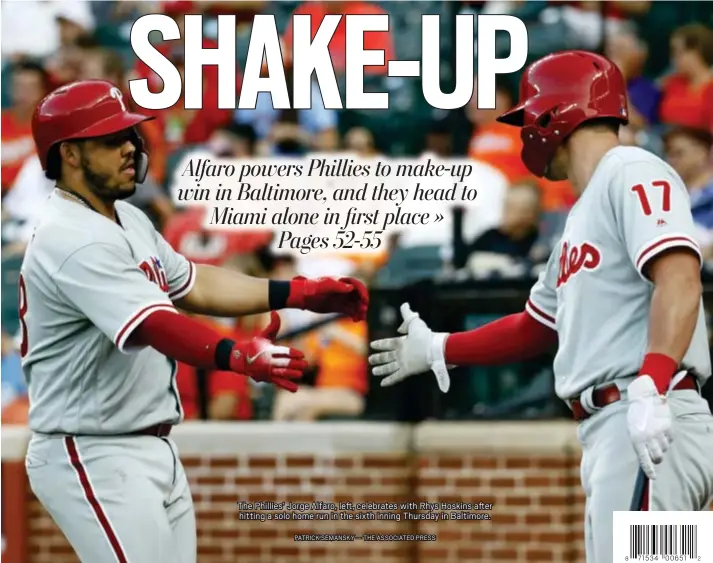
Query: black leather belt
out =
(159, 430)
(608, 394)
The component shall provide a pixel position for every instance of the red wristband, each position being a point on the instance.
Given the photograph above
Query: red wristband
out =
(296, 294)
(661, 368)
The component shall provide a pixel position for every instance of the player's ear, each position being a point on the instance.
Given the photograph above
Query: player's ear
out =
(70, 153)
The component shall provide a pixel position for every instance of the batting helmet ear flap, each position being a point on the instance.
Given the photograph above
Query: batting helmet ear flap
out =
(142, 166)
(141, 158)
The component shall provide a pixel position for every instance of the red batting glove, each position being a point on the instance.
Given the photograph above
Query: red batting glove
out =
(347, 296)
(260, 359)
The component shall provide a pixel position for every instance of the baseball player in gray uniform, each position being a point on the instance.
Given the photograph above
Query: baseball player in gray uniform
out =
(620, 296)
(101, 334)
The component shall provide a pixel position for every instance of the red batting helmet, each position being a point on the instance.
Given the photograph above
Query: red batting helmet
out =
(557, 94)
(89, 108)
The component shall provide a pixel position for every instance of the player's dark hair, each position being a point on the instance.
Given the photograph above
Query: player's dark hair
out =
(54, 163)
(54, 160)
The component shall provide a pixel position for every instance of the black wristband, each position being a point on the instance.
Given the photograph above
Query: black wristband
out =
(277, 294)
(222, 354)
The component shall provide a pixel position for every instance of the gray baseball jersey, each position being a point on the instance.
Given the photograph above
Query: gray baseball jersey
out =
(86, 284)
(593, 291)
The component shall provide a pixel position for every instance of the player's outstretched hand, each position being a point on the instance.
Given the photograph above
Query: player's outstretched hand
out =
(420, 350)
(649, 420)
(347, 296)
(262, 360)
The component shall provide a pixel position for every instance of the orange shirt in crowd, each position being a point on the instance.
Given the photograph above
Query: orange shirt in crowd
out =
(684, 104)
(373, 40)
(17, 146)
(500, 146)
(219, 382)
(339, 365)
(17, 412)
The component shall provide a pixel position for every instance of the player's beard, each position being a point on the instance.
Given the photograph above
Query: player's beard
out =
(101, 186)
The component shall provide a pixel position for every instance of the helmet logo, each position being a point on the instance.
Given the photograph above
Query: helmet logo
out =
(118, 96)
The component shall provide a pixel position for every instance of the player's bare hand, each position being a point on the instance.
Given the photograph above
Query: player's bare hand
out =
(418, 351)
(347, 296)
(649, 420)
(262, 360)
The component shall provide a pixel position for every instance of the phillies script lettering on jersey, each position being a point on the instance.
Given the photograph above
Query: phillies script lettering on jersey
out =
(155, 273)
(573, 259)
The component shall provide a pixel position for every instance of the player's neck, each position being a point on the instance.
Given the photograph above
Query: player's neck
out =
(586, 150)
(84, 196)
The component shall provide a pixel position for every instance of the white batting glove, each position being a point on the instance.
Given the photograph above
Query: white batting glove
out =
(420, 350)
(649, 420)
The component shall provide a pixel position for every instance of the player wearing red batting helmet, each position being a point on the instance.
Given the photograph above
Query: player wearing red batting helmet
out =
(86, 138)
(620, 298)
(98, 277)
(558, 94)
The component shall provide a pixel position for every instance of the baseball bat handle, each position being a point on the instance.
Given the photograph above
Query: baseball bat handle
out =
(637, 499)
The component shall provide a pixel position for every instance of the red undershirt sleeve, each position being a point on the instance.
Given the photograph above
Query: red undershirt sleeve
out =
(179, 337)
(510, 339)
(515, 337)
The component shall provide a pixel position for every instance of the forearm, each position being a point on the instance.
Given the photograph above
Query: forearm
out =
(183, 339)
(672, 321)
(510, 339)
(220, 292)
(674, 312)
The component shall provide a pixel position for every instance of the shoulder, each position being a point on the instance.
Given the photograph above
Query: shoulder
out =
(66, 228)
(56, 241)
(129, 211)
(623, 161)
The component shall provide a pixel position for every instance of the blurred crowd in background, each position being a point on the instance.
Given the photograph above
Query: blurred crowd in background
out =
(665, 50)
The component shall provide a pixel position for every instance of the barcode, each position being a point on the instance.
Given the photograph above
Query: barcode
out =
(663, 539)
(659, 535)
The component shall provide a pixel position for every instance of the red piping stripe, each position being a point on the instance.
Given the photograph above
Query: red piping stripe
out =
(93, 500)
